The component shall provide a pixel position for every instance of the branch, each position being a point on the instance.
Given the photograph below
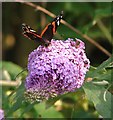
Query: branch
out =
(37, 7)
(10, 83)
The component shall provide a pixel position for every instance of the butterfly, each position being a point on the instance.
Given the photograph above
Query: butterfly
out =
(46, 35)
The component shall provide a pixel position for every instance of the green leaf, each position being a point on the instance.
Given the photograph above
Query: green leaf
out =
(51, 101)
(103, 71)
(105, 76)
(17, 105)
(27, 109)
(16, 100)
(11, 68)
(100, 98)
(106, 64)
(47, 113)
(86, 28)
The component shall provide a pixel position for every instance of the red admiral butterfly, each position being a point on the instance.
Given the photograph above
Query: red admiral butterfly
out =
(47, 33)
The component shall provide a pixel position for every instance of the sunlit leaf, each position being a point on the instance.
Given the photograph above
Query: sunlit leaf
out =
(100, 98)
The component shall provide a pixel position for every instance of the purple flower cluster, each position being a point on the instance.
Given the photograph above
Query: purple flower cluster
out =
(56, 69)
(1, 114)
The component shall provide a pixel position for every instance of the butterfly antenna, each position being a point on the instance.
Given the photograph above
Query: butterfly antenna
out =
(20, 73)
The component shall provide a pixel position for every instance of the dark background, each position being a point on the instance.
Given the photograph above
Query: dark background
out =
(16, 47)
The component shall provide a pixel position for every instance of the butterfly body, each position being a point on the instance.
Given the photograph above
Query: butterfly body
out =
(46, 35)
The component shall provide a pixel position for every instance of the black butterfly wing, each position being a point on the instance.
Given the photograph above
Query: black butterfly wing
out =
(50, 29)
(30, 33)
(56, 21)
(47, 33)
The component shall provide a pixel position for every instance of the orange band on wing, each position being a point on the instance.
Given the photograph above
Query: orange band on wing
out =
(44, 30)
(31, 33)
(36, 35)
(53, 23)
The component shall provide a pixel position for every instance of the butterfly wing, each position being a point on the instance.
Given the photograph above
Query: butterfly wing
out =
(30, 33)
(47, 33)
(50, 29)
(56, 22)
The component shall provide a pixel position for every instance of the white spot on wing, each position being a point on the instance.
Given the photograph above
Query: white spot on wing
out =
(32, 30)
(57, 18)
(58, 22)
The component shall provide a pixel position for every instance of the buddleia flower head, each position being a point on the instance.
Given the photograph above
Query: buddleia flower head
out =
(55, 70)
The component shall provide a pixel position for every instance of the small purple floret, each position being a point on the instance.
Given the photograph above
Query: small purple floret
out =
(1, 114)
(57, 69)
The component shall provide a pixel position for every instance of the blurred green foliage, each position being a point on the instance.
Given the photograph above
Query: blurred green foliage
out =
(90, 101)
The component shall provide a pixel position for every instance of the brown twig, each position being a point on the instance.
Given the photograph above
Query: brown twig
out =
(37, 7)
